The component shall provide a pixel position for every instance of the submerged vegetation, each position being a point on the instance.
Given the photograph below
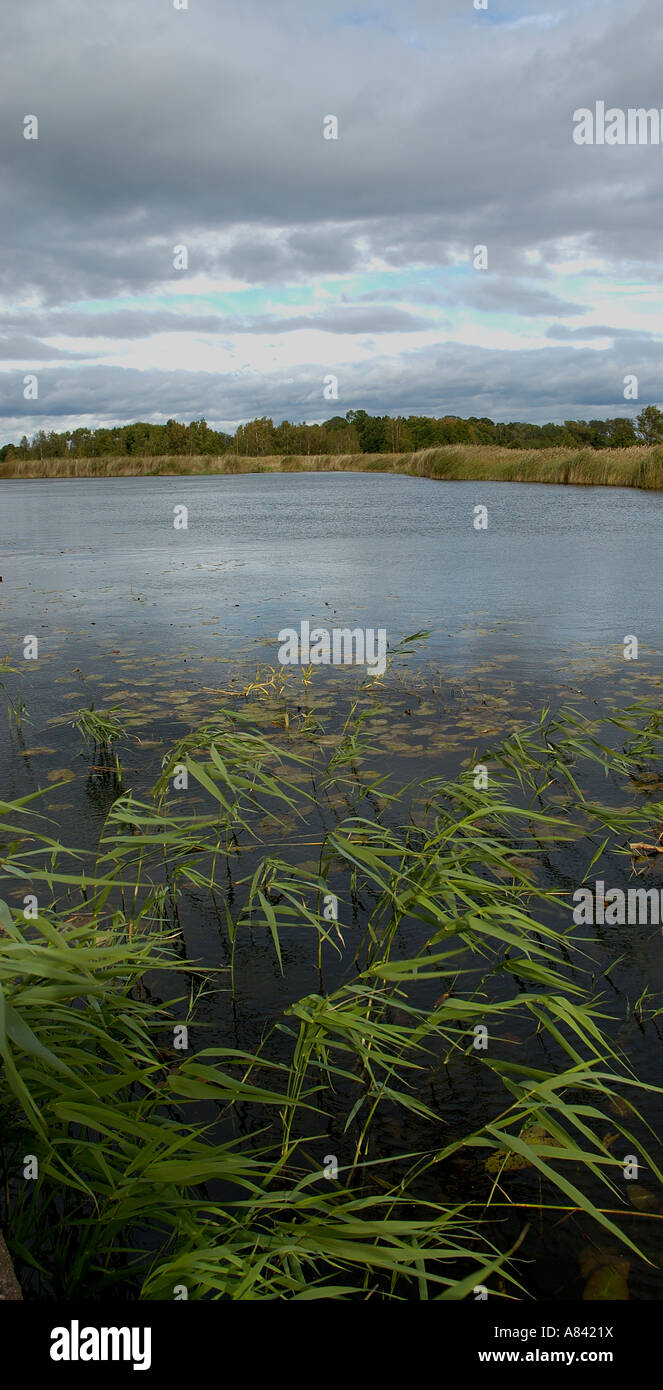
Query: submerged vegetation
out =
(638, 466)
(449, 1092)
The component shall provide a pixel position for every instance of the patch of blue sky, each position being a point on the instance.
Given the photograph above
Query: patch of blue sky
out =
(357, 19)
(428, 290)
(270, 298)
(374, 19)
(503, 14)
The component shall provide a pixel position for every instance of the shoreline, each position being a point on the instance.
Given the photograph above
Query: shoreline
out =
(638, 467)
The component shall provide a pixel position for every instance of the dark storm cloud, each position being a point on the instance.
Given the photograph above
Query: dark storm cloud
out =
(414, 293)
(498, 295)
(139, 323)
(344, 320)
(204, 127)
(22, 346)
(561, 332)
(158, 123)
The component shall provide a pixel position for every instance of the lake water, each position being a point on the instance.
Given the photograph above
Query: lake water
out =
(130, 610)
(556, 568)
(98, 572)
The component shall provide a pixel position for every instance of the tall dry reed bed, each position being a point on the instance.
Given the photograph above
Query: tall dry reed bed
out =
(209, 1169)
(636, 467)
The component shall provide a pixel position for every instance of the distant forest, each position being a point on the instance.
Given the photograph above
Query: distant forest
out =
(357, 432)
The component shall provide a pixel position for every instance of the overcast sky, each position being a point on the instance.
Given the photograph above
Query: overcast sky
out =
(310, 257)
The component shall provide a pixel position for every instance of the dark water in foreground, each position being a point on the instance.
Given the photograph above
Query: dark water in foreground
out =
(129, 610)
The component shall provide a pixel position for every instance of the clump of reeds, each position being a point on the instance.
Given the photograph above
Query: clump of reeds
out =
(443, 924)
(101, 729)
(16, 706)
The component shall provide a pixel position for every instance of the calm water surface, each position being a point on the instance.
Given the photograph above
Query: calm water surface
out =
(556, 565)
(128, 609)
(126, 606)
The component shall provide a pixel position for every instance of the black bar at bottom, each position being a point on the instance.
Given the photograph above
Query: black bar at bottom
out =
(164, 1340)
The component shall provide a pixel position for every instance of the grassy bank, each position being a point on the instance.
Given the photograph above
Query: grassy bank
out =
(637, 467)
(156, 1167)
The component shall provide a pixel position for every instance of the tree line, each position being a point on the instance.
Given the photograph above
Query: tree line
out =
(357, 432)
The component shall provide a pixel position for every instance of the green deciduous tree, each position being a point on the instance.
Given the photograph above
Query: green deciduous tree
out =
(649, 425)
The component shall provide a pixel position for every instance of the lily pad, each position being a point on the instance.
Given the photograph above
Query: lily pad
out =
(609, 1282)
(507, 1162)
